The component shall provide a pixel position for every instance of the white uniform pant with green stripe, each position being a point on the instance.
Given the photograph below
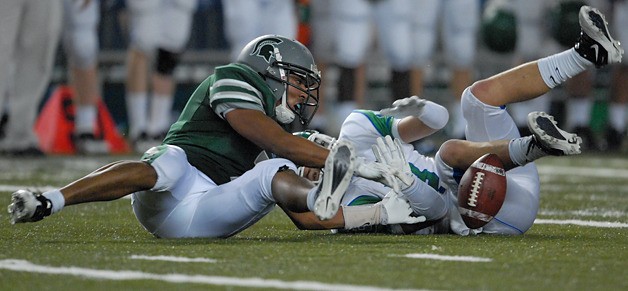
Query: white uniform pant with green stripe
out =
(187, 203)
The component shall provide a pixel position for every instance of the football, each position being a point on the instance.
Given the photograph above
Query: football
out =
(482, 191)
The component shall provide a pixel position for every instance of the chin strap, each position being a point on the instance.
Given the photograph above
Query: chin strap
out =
(283, 112)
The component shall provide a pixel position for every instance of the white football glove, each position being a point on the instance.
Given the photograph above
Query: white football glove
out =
(389, 152)
(376, 171)
(396, 210)
(409, 106)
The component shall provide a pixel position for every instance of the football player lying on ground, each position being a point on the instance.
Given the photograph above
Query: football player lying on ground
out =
(490, 129)
(203, 182)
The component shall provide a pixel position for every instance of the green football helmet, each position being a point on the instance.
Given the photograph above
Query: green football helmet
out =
(276, 58)
(499, 27)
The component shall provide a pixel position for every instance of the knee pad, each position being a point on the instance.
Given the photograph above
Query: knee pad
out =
(166, 62)
(170, 163)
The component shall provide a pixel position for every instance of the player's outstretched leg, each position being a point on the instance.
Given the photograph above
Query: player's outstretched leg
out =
(551, 139)
(27, 206)
(338, 171)
(595, 43)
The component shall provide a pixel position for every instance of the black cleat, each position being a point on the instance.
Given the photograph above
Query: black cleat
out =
(595, 43)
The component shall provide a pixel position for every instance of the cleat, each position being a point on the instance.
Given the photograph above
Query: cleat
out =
(339, 168)
(551, 139)
(27, 206)
(595, 43)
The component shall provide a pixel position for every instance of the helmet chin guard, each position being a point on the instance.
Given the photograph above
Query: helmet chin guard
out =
(284, 114)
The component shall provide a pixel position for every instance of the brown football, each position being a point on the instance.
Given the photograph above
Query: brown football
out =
(482, 191)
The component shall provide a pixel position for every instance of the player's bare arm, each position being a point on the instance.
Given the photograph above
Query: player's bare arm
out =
(267, 134)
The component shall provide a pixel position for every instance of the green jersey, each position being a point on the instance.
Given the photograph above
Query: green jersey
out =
(201, 131)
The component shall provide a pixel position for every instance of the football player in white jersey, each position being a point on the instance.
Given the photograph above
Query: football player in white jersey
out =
(432, 193)
(458, 22)
(203, 181)
(248, 19)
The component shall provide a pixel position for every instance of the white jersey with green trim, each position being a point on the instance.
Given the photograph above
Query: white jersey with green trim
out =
(362, 128)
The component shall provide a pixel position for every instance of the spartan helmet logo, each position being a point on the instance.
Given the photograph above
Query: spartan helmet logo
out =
(265, 48)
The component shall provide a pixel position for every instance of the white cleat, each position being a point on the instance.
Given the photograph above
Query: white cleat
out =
(338, 172)
(551, 139)
(27, 206)
(595, 43)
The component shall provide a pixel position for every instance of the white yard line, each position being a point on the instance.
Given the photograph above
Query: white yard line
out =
(119, 275)
(605, 224)
(448, 258)
(173, 259)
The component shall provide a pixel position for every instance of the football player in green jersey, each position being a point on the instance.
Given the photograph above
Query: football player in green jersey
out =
(203, 180)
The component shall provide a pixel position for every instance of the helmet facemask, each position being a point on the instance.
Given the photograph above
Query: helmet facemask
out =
(308, 82)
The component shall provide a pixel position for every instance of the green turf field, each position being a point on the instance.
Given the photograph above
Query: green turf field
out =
(580, 242)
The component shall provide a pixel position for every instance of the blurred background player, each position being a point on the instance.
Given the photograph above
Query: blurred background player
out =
(29, 34)
(616, 128)
(531, 43)
(323, 47)
(159, 31)
(80, 41)
(457, 20)
(248, 19)
(354, 22)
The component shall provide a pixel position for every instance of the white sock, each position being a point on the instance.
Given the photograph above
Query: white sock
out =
(160, 112)
(559, 67)
(85, 120)
(522, 153)
(56, 198)
(617, 116)
(137, 104)
(311, 198)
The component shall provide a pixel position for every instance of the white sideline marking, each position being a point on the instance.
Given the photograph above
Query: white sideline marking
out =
(582, 171)
(13, 188)
(26, 266)
(448, 258)
(606, 224)
(173, 259)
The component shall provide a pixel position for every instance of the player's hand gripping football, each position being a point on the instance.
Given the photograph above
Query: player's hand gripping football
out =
(389, 152)
(409, 106)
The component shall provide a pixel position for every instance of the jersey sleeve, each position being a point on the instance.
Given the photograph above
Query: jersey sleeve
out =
(231, 90)
(363, 127)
